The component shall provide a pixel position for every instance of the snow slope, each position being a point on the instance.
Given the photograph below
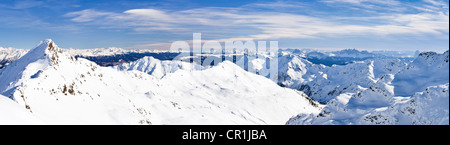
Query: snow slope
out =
(424, 108)
(12, 114)
(389, 102)
(49, 86)
(352, 92)
(428, 69)
(28, 66)
(156, 67)
(228, 90)
(58, 89)
(323, 83)
(427, 107)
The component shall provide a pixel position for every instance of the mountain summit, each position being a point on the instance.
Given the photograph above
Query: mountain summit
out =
(51, 50)
(58, 89)
(45, 54)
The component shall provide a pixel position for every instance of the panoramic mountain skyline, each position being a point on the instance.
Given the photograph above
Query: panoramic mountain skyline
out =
(360, 88)
(324, 24)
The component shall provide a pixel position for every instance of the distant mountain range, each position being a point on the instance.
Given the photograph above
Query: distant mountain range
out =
(48, 85)
(114, 56)
(52, 87)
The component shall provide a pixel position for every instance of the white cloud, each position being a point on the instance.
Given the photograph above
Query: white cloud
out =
(89, 15)
(277, 5)
(365, 3)
(436, 2)
(254, 25)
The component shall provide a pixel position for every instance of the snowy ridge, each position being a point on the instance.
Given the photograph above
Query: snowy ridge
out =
(424, 108)
(390, 101)
(106, 51)
(324, 83)
(231, 91)
(156, 67)
(52, 86)
(45, 54)
(48, 86)
(354, 53)
(428, 69)
(388, 66)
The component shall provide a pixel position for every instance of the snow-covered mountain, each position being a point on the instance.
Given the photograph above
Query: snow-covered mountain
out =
(8, 55)
(427, 107)
(105, 51)
(323, 83)
(352, 92)
(347, 56)
(354, 53)
(49, 86)
(56, 88)
(428, 69)
(158, 68)
(417, 94)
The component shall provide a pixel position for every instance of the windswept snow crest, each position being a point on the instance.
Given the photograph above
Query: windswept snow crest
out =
(417, 94)
(56, 88)
(158, 68)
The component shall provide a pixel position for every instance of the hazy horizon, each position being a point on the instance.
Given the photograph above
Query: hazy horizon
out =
(336, 24)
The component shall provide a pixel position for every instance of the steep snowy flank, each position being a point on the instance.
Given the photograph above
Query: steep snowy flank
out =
(390, 101)
(428, 69)
(30, 65)
(388, 66)
(428, 107)
(294, 71)
(238, 96)
(58, 89)
(338, 79)
(323, 83)
(156, 67)
(12, 113)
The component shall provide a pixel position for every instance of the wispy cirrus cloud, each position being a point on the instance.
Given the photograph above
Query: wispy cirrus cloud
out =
(364, 2)
(373, 6)
(23, 4)
(267, 25)
(294, 23)
(437, 3)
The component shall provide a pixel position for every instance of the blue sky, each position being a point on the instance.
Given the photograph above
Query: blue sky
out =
(321, 24)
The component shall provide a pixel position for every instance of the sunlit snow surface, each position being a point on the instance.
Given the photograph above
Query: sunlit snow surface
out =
(58, 89)
(49, 86)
